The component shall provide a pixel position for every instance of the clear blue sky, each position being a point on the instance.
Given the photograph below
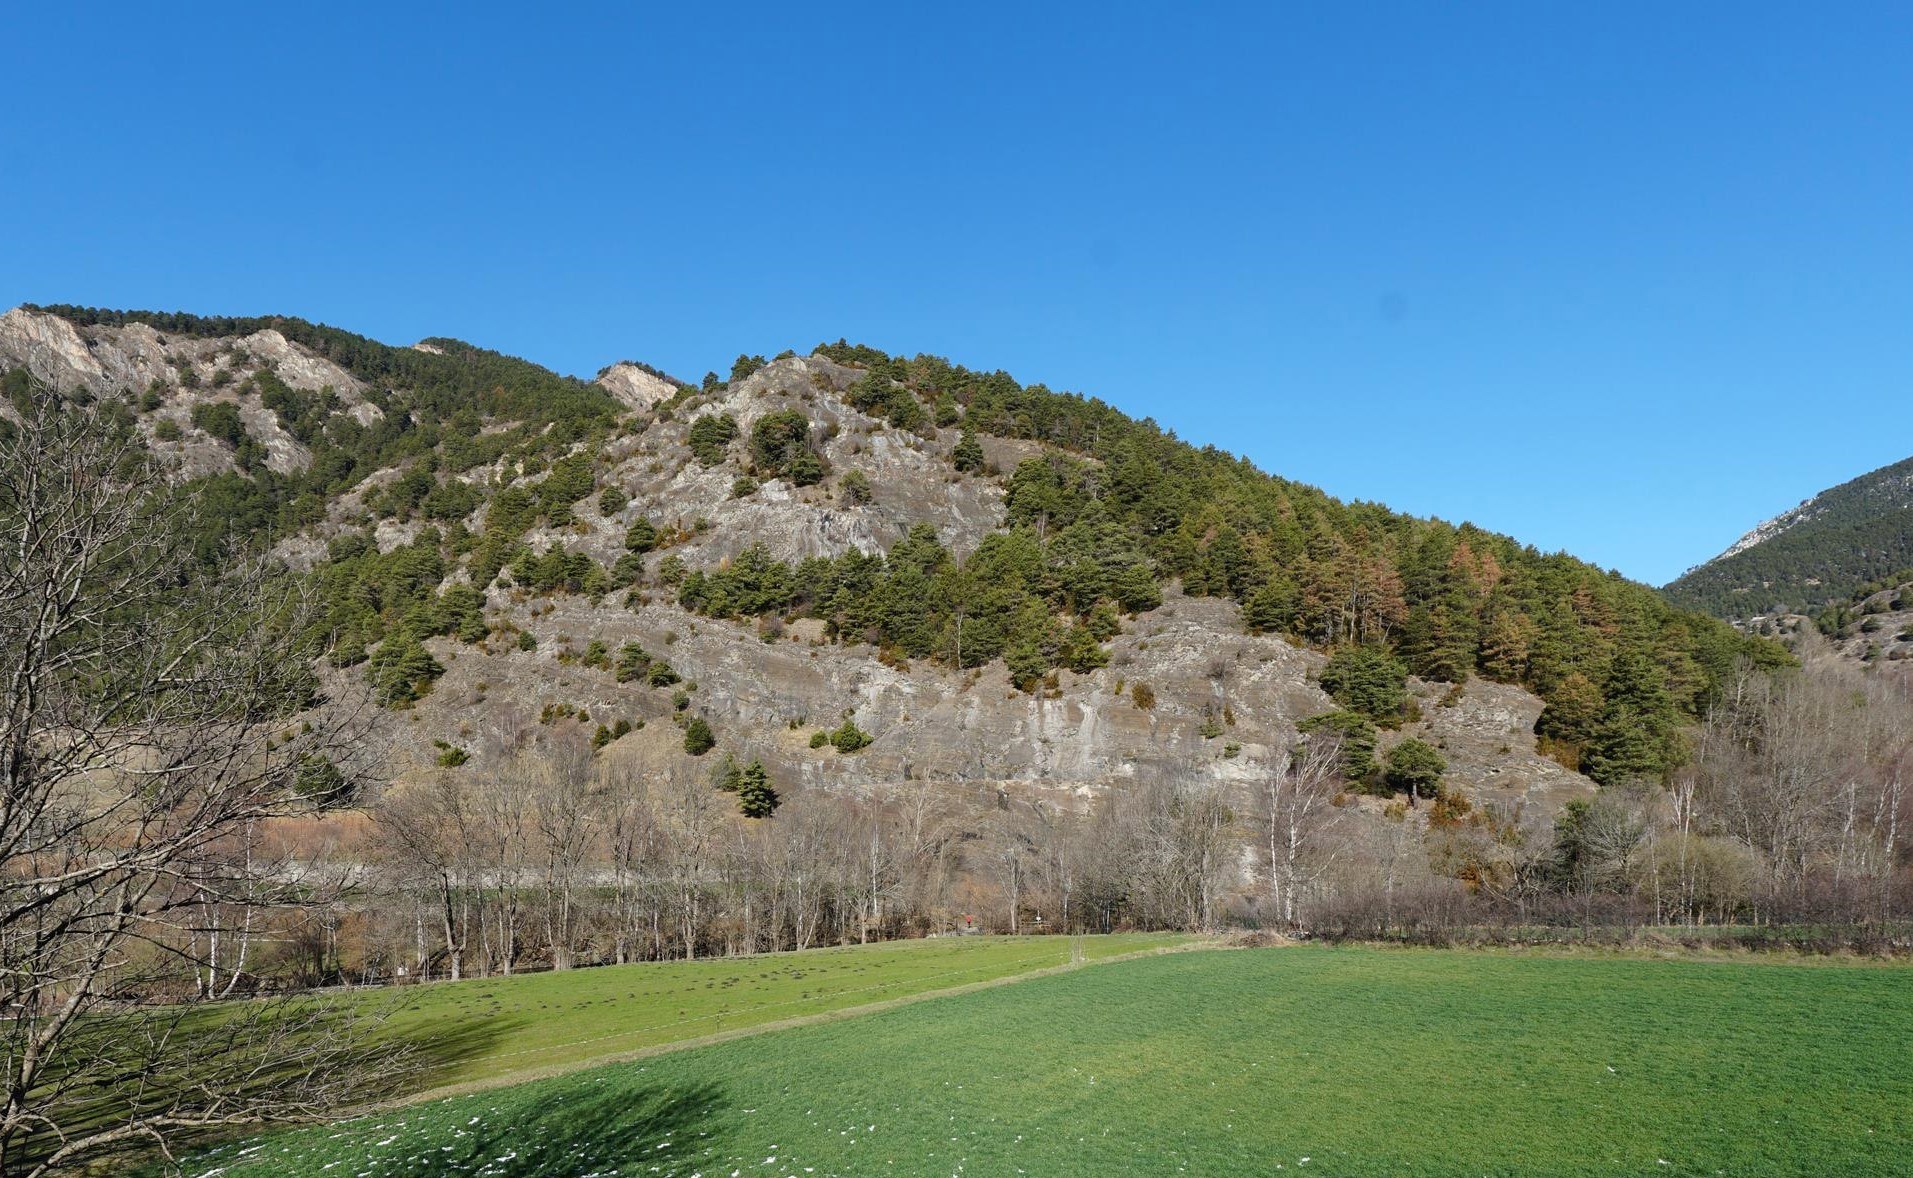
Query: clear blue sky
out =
(1619, 279)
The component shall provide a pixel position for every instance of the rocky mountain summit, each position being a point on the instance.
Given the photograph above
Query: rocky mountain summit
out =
(638, 386)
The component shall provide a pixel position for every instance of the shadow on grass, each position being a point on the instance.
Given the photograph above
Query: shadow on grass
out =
(282, 1058)
(437, 1055)
(559, 1129)
(578, 1129)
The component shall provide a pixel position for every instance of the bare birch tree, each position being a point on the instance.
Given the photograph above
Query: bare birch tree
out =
(1297, 801)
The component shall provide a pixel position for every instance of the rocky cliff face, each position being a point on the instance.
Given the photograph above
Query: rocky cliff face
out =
(911, 480)
(765, 695)
(180, 373)
(636, 387)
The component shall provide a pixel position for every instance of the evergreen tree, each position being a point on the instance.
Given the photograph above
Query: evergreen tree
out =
(1574, 708)
(1415, 767)
(633, 662)
(1271, 609)
(1081, 652)
(1505, 643)
(848, 738)
(709, 435)
(777, 439)
(807, 468)
(1439, 641)
(968, 455)
(1368, 680)
(755, 797)
(1636, 735)
(402, 670)
(1358, 739)
(1027, 654)
(698, 737)
(1627, 746)
(854, 488)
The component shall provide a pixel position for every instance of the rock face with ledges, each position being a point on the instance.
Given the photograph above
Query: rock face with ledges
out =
(911, 480)
(965, 731)
(54, 351)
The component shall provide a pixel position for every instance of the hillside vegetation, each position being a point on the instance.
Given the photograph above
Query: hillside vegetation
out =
(1874, 623)
(534, 673)
(488, 462)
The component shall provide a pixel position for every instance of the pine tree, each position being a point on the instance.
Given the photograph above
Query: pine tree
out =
(968, 455)
(1271, 608)
(1356, 734)
(1366, 679)
(1505, 643)
(1627, 746)
(698, 737)
(848, 738)
(854, 488)
(1415, 768)
(1574, 708)
(402, 670)
(755, 797)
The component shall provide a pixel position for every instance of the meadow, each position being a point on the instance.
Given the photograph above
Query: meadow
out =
(1348, 1061)
(493, 1030)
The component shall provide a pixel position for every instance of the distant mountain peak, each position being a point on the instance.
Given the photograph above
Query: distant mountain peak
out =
(1813, 554)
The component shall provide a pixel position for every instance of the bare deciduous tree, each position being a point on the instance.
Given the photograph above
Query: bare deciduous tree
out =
(155, 712)
(423, 830)
(565, 807)
(1297, 810)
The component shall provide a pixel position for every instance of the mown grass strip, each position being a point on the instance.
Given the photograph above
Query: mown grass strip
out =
(494, 1029)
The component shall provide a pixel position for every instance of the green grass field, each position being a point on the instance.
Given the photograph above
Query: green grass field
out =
(1326, 1061)
(492, 1029)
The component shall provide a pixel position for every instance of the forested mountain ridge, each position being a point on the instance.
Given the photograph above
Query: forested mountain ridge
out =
(1816, 555)
(979, 579)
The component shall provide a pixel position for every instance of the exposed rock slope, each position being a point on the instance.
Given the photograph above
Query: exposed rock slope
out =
(181, 372)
